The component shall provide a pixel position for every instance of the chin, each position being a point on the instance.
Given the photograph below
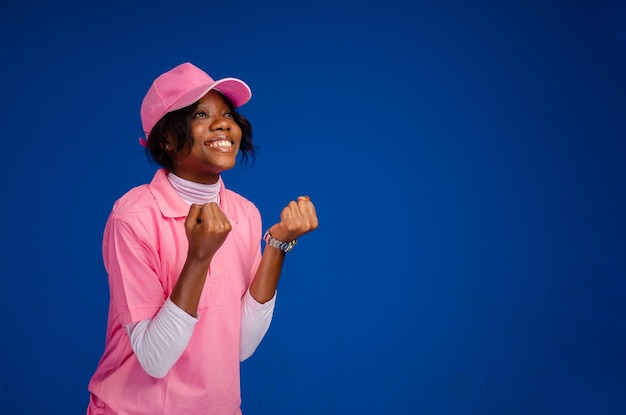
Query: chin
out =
(227, 166)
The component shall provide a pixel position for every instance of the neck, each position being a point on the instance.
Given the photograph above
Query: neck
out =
(192, 192)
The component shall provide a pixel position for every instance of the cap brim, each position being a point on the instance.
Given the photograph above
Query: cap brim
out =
(235, 89)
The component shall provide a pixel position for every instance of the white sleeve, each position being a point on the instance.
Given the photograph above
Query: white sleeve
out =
(255, 321)
(160, 341)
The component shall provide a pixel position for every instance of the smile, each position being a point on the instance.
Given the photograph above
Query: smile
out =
(221, 143)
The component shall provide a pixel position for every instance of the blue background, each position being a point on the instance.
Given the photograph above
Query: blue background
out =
(466, 160)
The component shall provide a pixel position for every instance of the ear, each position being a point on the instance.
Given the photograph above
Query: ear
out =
(168, 143)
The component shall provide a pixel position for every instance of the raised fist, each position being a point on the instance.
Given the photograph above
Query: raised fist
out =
(296, 219)
(207, 228)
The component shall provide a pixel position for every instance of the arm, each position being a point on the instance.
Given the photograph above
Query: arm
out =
(159, 342)
(255, 321)
(206, 227)
(298, 218)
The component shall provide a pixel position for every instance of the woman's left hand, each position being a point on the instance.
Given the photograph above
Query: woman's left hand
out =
(296, 219)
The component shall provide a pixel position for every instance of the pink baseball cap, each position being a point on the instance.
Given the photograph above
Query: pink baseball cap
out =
(182, 86)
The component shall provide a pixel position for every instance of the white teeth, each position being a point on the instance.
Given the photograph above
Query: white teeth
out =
(221, 143)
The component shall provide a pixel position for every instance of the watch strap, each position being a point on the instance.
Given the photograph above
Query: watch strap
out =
(273, 242)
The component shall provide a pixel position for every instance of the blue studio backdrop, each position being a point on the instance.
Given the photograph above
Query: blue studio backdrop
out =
(466, 160)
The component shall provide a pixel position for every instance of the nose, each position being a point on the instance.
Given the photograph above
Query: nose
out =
(221, 123)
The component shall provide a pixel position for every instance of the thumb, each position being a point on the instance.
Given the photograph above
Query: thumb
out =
(194, 216)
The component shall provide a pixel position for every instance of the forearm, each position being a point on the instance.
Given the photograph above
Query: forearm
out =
(296, 219)
(206, 228)
(188, 289)
(255, 321)
(266, 278)
(159, 342)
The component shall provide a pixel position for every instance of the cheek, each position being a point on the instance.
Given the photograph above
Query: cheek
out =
(196, 130)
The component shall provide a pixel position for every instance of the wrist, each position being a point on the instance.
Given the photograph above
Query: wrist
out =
(198, 259)
(279, 233)
(285, 246)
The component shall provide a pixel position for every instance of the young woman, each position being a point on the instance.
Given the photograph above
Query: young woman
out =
(191, 295)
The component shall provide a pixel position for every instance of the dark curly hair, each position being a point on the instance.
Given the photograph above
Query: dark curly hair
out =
(177, 123)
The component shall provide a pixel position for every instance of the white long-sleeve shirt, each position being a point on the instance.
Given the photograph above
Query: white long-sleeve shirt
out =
(159, 342)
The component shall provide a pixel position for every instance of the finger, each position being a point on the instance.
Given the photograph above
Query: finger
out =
(215, 217)
(287, 213)
(209, 211)
(306, 207)
(307, 210)
(293, 210)
(304, 202)
(194, 215)
(206, 216)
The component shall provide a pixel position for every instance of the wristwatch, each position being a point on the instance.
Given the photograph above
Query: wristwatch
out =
(273, 242)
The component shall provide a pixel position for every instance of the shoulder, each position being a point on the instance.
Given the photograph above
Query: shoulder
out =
(133, 202)
(136, 212)
(237, 199)
(239, 203)
(143, 199)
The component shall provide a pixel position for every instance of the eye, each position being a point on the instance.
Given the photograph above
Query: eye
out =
(228, 115)
(199, 114)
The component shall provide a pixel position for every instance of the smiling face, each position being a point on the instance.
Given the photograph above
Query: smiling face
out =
(216, 142)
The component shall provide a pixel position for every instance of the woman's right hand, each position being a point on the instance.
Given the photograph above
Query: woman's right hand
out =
(206, 227)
